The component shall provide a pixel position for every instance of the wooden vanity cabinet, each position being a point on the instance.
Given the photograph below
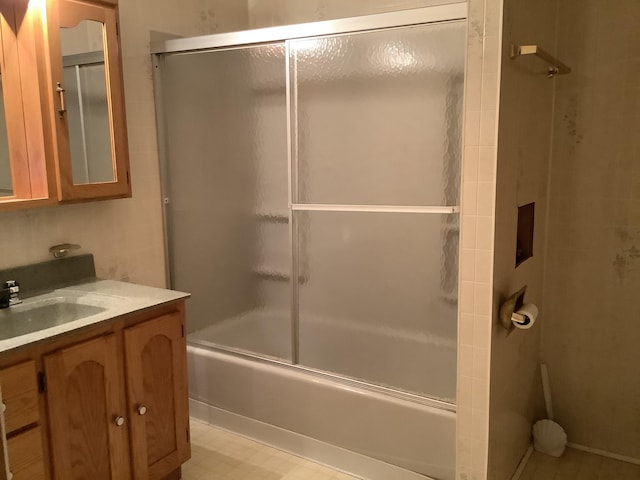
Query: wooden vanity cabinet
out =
(22, 433)
(111, 402)
(86, 404)
(155, 353)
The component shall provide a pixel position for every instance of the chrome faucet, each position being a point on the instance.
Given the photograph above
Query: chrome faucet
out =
(59, 251)
(9, 294)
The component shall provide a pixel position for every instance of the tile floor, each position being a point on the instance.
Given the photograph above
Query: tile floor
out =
(577, 465)
(220, 455)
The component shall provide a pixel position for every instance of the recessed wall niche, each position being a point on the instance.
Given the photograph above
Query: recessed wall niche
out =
(524, 242)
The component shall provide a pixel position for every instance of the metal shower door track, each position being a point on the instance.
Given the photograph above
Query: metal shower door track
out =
(403, 18)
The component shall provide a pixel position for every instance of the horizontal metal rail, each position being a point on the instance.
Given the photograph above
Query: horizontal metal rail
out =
(402, 18)
(321, 207)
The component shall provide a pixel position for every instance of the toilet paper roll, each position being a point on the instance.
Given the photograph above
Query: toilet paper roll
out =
(525, 317)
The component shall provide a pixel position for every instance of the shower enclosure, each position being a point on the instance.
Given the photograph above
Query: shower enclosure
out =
(311, 179)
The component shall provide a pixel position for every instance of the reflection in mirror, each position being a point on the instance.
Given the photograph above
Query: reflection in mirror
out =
(87, 103)
(6, 189)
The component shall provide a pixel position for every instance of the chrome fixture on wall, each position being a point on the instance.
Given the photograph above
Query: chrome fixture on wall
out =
(554, 66)
(62, 250)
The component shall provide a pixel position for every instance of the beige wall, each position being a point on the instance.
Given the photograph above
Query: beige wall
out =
(524, 138)
(591, 333)
(267, 13)
(124, 235)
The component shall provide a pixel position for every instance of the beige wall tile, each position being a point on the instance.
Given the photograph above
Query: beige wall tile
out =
(467, 265)
(483, 266)
(470, 173)
(472, 128)
(468, 231)
(470, 198)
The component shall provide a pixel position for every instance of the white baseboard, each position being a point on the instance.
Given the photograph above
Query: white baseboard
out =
(603, 453)
(334, 457)
(523, 463)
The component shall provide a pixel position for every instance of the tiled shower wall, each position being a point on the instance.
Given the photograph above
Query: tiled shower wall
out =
(124, 235)
(591, 332)
(477, 236)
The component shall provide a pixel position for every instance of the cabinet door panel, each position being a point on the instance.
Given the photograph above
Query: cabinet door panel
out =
(25, 455)
(84, 399)
(156, 382)
(20, 395)
(22, 128)
(90, 117)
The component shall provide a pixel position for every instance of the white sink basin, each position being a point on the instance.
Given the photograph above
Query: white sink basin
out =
(50, 310)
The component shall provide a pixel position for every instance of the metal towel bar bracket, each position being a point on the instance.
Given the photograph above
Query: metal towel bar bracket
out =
(62, 250)
(554, 66)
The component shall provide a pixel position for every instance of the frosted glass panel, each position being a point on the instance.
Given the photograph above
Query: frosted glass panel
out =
(379, 116)
(88, 120)
(226, 142)
(378, 299)
(87, 104)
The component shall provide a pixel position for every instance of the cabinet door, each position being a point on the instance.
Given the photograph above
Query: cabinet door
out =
(155, 353)
(86, 406)
(88, 100)
(23, 155)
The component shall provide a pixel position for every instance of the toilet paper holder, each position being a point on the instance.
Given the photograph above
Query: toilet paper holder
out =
(510, 305)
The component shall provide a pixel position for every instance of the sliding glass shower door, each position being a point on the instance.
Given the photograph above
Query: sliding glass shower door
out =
(225, 115)
(376, 155)
(313, 200)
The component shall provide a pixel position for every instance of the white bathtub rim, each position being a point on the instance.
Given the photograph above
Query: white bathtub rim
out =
(332, 456)
(398, 397)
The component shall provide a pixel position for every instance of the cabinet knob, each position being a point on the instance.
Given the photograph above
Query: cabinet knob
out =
(3, 407)
(142, 409)
(119, 421)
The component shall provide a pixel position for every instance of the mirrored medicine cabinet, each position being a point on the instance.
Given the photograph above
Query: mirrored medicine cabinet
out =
(62, 119)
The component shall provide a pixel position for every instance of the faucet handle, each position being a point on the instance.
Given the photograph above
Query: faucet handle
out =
(12, 288)
(59, 251)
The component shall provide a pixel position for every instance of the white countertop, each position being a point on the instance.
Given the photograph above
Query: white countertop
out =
(94, 301)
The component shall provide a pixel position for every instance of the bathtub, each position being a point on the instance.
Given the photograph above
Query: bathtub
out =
(417, 436)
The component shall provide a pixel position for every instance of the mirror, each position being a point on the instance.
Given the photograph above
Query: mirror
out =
(6, 188)
(87, 104)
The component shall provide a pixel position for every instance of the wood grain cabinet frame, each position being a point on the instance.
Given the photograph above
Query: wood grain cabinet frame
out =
(22, 61)
(31, 68)
(87, 411)
(68, 14)
(155, 353)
